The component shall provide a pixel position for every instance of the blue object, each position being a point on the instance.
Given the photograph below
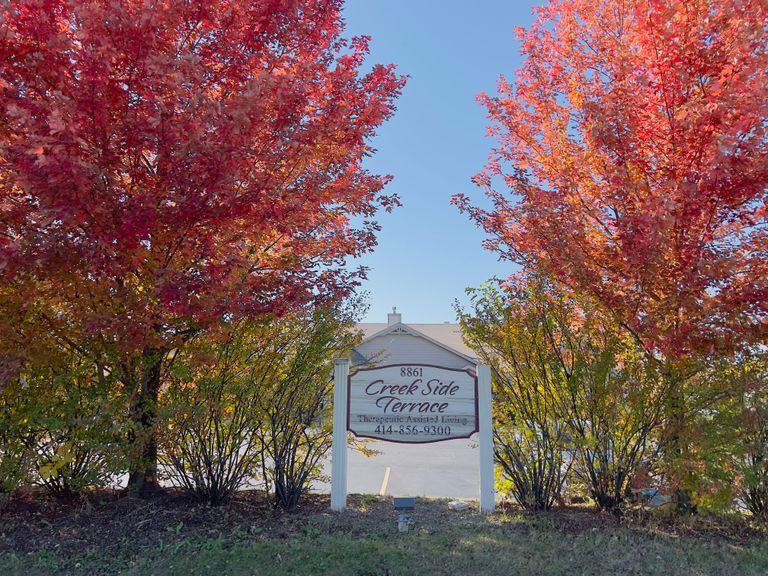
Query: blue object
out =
(403, 503)
(654, 497)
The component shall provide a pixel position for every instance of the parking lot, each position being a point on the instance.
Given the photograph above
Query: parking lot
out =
(447, 469)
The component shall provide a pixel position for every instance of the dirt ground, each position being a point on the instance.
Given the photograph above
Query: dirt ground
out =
(32, 521)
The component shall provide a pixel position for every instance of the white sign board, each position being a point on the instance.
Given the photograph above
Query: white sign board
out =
(412, 403)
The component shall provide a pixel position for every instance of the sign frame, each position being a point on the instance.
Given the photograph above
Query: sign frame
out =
(472, 374)
(484, 400)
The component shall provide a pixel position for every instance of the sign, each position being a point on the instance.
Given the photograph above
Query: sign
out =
(352, 401)
(412, 403)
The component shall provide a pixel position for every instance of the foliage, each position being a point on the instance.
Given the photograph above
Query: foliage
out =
(617, 400)
(633, 144)
(252, 401)
(530, 434)
(169, 167)
(570, 390)
(16, 454)
(754, 466)
(61, 428)
(209, 445)
(748, 441)
(294, 376)
(700, 438)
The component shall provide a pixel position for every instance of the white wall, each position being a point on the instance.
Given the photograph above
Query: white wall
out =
(397, 348)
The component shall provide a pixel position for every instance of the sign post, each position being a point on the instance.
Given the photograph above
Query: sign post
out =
(339, 448)
(487, 497)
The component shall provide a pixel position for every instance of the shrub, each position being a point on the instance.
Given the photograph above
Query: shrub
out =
(572, 391)
(751, 444)
(615, 402)
(754, 467)
(16, 454)
(530, 433)
(295, 379)
(254, 403)
(60, 427)
(209, 446)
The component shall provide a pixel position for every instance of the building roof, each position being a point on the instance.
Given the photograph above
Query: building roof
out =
(446, 334)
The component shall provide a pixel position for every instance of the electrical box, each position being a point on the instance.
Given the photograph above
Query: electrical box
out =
(405, 503)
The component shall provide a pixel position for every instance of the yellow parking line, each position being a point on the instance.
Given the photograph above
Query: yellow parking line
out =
(384, 482)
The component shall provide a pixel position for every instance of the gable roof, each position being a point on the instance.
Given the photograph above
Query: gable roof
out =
(446, 336)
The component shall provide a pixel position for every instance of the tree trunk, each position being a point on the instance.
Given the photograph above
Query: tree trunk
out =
(677, 446)
(143, 466)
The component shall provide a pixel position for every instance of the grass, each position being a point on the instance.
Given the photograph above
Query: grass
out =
(364, 542)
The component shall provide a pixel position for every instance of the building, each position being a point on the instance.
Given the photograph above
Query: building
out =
(399, 343)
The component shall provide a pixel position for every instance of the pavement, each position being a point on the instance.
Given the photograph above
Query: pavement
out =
(448, 469)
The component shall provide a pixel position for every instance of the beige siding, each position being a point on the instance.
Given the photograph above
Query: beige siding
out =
(447, 334)
(401, 348)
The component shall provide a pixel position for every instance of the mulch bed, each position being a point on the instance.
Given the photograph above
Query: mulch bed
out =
(33, 520)
(115, 521)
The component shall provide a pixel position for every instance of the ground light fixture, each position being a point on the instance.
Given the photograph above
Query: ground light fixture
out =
(402, 505)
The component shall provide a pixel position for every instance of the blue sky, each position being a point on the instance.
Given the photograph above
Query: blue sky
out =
(428, 253)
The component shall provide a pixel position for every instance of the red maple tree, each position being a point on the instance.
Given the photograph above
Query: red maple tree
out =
(632, 145)
(167, 166)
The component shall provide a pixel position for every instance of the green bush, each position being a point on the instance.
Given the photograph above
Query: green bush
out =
(209, 443)
(17, 460)
(530, 432)
(295, 380)
(751, 439)
(574, 395)
(254, 403)
(60, 428)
